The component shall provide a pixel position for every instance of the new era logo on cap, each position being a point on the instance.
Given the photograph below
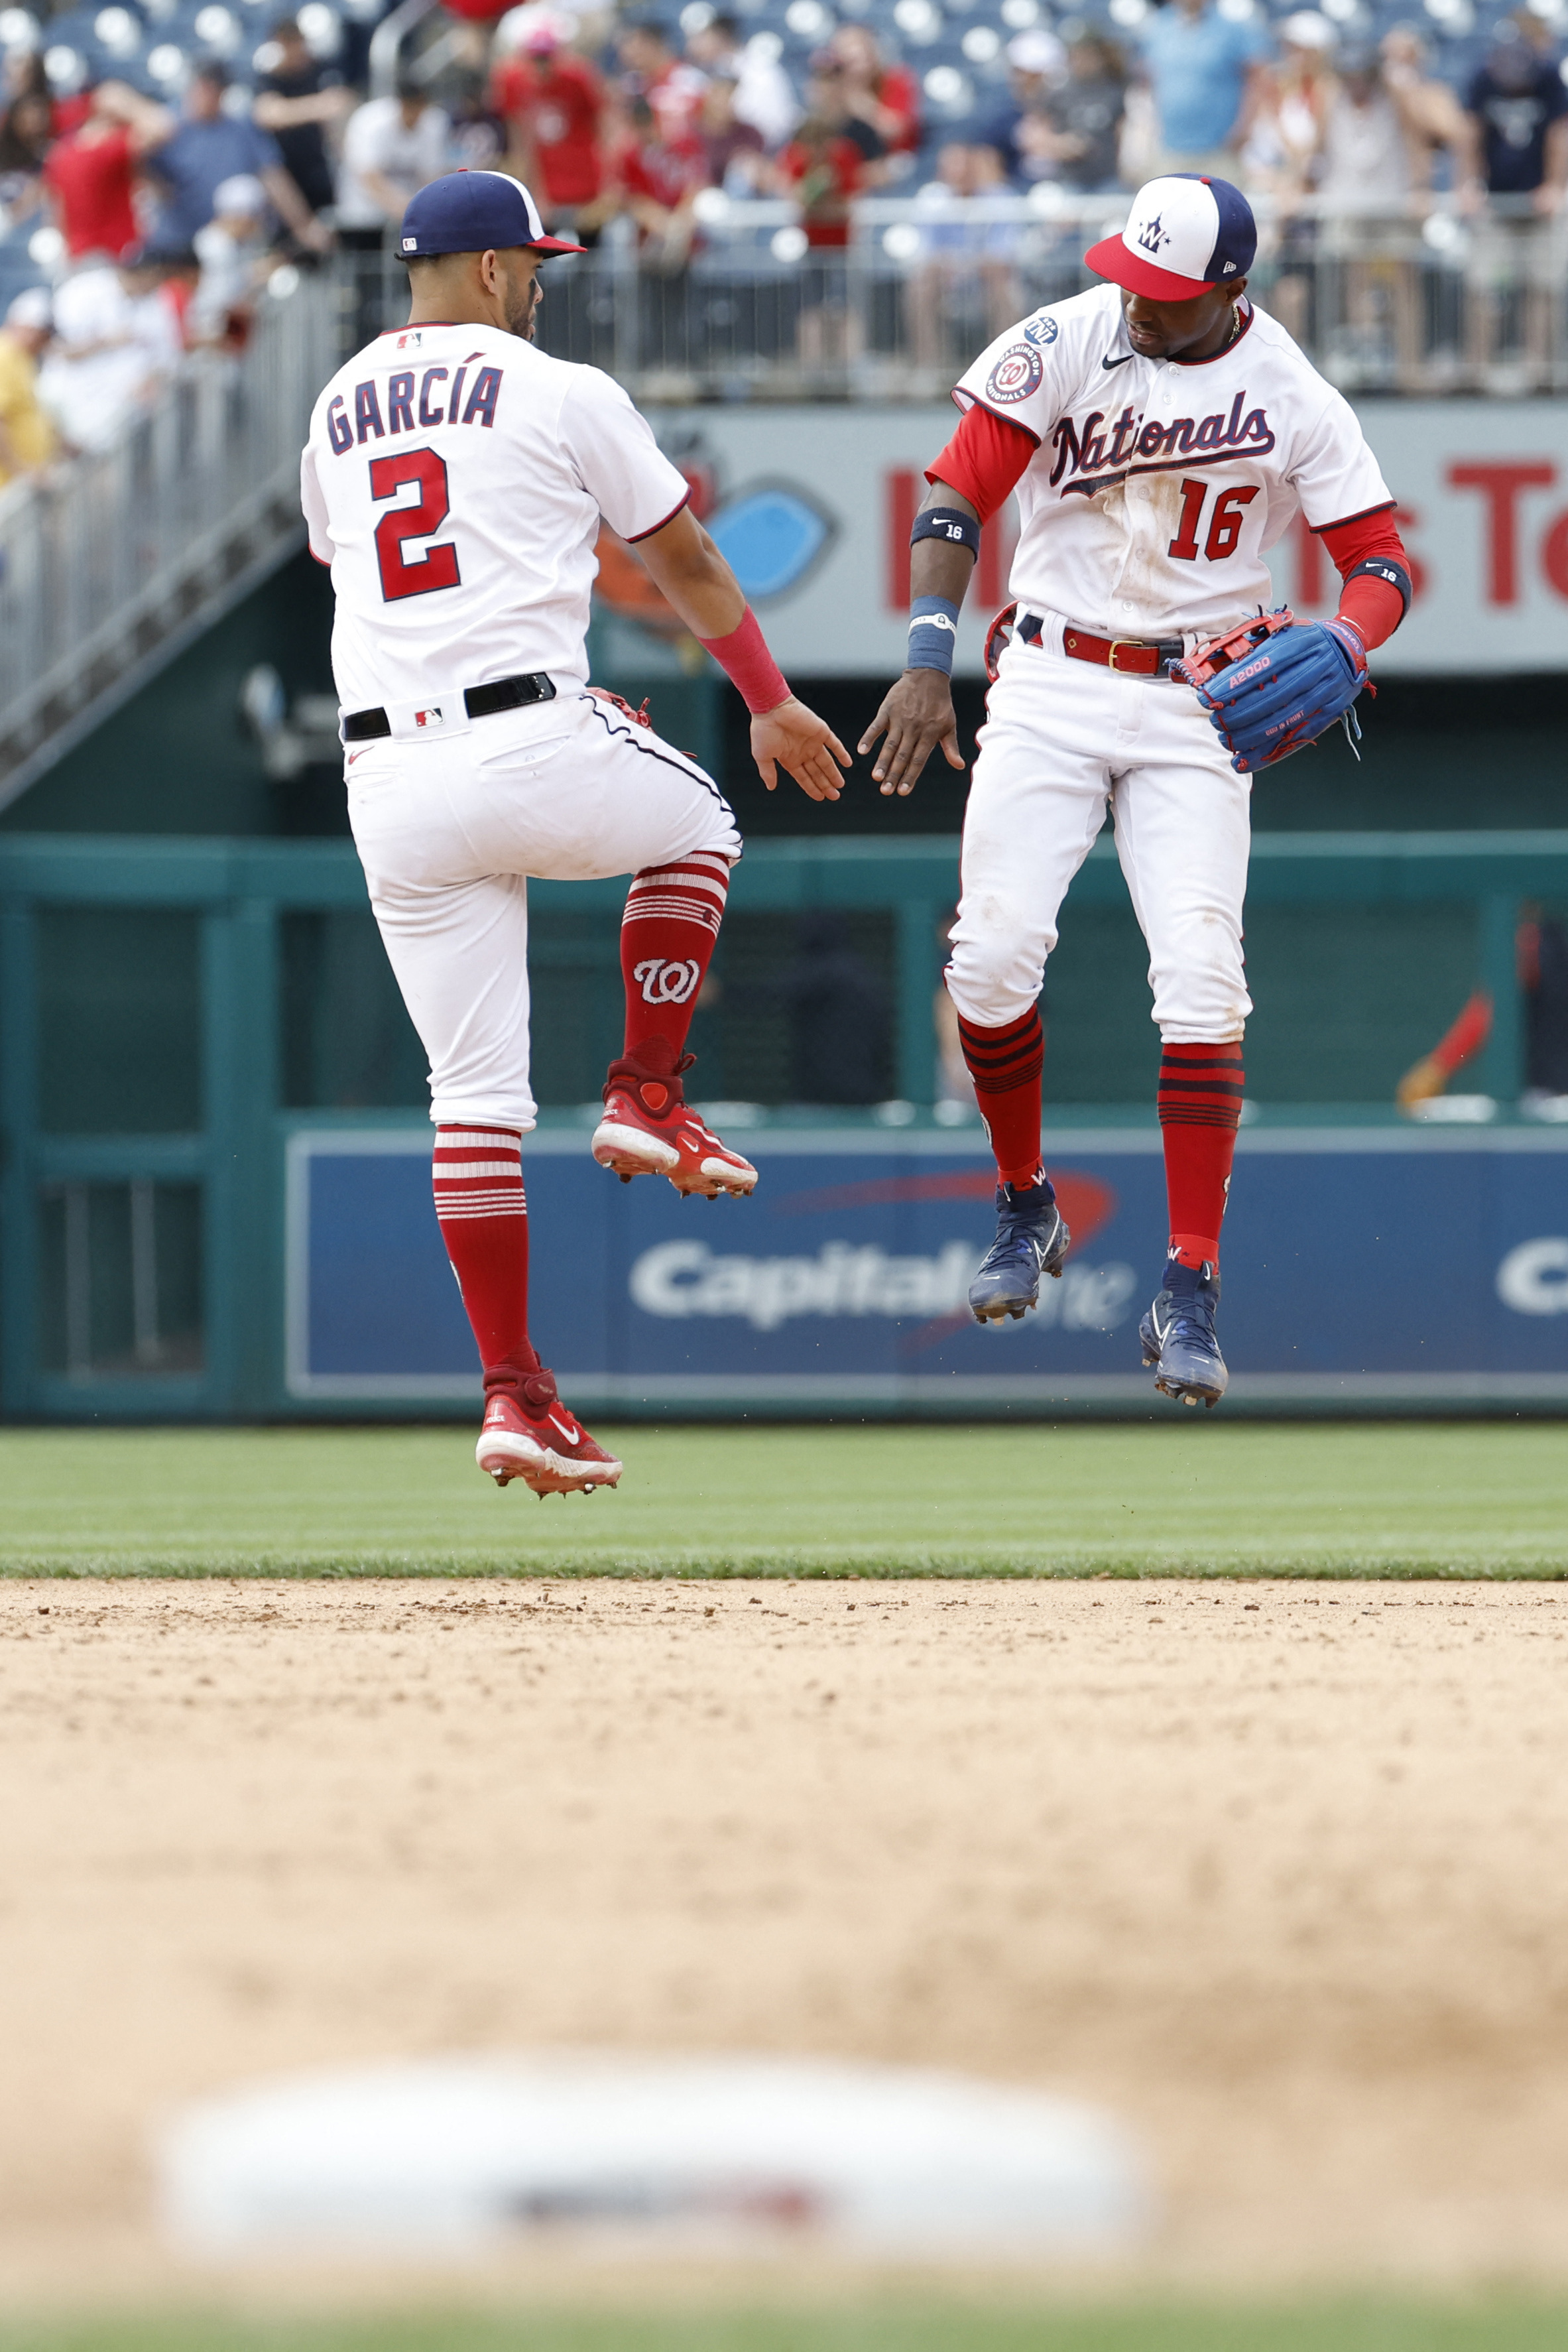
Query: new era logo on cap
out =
(477, 211)
(1185, 233)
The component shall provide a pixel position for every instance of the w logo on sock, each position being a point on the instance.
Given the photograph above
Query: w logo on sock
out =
(664, 983)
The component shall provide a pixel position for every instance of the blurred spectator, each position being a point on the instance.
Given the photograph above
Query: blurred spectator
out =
(1073, 131)
(764, 96)
(1293, 98)
(1205, 70)
(1035, 60)
(27, 436)
(1375, 169)
(209, 145)
(117, 344)
(1431, 112)
(887, 97)
(392, 148)
(1540, 953)
(653, 73)
(552, 104)
(659, 180)
(89, 178)
(233, 254)
(1519, 125)
(735, 158)
(823, 169)
(1518, 152)
(27, 134)
(965, 289)
(835, 99)
(299, 100)
(479, 136)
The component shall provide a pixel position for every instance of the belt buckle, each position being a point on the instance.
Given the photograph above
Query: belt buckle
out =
(1132, 645)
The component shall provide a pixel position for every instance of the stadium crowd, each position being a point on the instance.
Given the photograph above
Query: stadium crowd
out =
(150, 191)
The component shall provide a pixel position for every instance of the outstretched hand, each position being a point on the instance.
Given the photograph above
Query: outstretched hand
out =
(792, 737)
(917, 715)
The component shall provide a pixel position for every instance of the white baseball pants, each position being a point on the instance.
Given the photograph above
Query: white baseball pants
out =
(449, 827)
(1062, 739)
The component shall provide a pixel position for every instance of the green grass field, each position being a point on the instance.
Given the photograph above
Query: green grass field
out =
(1197, 1497)
(1326, 2327)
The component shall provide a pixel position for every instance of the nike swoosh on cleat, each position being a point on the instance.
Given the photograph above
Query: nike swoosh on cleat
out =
(1121, 363)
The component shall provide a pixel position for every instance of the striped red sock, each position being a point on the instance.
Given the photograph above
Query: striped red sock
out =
(477, 1174)
(667, 934)
(1200, 1109)
(1005, 1064)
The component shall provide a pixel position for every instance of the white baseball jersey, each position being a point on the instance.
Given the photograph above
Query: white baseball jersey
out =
(1158, 488)
(453, 479)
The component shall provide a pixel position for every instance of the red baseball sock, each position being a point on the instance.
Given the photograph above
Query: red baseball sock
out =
(667, 934)
(1200, 1110)
(477, 1176)
(1005, 1064)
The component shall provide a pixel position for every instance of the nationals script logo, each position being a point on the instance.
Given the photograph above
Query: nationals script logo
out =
(1095, 455)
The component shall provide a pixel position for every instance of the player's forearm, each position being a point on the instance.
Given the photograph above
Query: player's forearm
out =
(694, 577)
(942, 567)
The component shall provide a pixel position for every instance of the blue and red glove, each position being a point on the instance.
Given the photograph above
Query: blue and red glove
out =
(1274, 684)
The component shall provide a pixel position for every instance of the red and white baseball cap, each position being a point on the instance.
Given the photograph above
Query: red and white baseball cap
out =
(1185, 234)
(475, 212)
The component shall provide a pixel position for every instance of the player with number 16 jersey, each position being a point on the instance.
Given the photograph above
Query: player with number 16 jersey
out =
(455, 479)
(1161, 434)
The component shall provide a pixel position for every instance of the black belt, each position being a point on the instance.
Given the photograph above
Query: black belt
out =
(478, 702)
(1128, 657)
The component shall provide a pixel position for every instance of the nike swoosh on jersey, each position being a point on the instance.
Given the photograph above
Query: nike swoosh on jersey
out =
(1121, 363)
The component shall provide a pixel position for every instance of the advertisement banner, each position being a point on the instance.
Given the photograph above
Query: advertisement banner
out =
(812, 507)
(841, 1284)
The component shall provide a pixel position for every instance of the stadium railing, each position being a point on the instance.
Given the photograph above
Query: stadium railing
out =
(111, 560)
(144, 1103)
(1386, 299)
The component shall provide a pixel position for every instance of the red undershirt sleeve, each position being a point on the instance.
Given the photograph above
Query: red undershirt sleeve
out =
(984, 460)
(1372, 606)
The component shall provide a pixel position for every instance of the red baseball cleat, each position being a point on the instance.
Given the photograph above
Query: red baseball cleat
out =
(533, 1437)
(649, 1129)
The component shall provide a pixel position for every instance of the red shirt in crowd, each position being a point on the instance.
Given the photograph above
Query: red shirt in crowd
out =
(824, 178)
(667, 170)
(91, 179)
(557, 105)
(900, 92)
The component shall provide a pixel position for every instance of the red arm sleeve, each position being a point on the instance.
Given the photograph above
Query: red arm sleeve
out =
(1373, 602)
(985, 459)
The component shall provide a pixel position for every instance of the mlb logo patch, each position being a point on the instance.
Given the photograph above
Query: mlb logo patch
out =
(409, 243)
(428, 717)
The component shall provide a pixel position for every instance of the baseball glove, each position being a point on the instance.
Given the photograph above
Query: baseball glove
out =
(1274, 684)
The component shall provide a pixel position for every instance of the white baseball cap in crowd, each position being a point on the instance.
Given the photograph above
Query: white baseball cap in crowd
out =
(1036, 52)
(1185, 234)
(1306, 29)
(34, 308)
(239, 197)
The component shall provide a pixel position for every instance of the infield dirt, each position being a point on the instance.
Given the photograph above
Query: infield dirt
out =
(1278, 1871)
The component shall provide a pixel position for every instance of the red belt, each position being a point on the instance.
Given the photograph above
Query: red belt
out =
(1129, 656)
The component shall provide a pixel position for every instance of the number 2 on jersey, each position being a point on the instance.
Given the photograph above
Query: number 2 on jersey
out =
(1223, 525)
(417, 575)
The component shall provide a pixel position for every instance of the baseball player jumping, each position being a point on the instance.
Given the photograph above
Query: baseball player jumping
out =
(1161, 434)
(455, 479)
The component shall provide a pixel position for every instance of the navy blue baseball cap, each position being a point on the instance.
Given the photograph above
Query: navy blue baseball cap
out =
(475, 212)
(1184, 234)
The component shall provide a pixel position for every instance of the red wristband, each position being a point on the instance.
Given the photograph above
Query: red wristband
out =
(745, 659)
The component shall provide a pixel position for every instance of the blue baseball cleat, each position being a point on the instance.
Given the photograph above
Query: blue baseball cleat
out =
(1032, 1239)
(1178, 1337)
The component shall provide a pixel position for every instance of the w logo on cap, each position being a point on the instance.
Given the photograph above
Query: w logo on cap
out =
(1151, 236)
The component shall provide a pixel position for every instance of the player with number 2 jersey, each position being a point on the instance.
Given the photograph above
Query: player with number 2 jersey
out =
(1161, 434)
(455, 479)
